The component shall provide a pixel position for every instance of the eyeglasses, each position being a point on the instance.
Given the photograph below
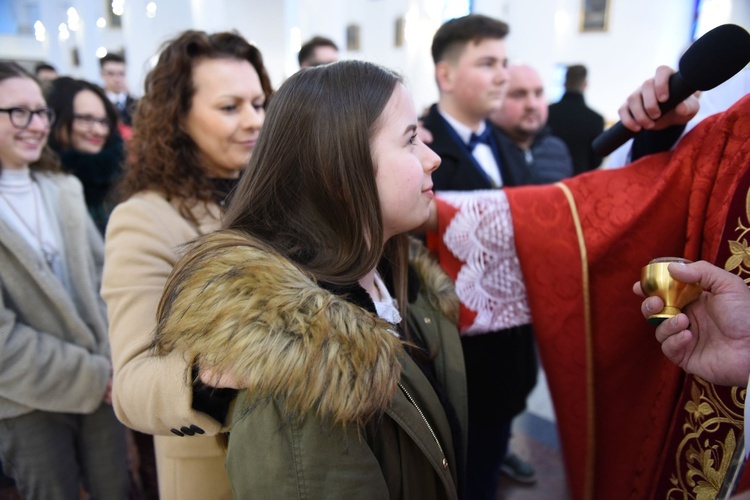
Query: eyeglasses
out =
(21, 117)
(88, 121)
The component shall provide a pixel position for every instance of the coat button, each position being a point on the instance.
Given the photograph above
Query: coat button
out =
(445, 464)
(197, 429)
(176, 432)
(427, 320)
(187, 431)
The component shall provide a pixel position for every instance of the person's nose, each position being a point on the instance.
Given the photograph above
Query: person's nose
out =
(253, 117)
(501, 75)
(100, 129)
(38, 123)
(431, 160)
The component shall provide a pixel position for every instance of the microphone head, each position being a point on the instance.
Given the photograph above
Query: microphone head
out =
(715, 57)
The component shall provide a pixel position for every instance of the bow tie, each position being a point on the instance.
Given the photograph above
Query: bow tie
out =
(475, 139)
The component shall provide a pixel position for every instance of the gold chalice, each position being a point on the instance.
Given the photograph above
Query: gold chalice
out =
(656, 280)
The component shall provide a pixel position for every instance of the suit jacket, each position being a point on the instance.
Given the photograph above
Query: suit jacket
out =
(155, 395)
(577, 125)
(126, 113)
(54, 352)
(458, 171)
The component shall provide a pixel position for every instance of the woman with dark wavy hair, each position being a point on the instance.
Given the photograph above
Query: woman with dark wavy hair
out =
(58, 431)
(86, 138)
(340, 330)
(195, 130)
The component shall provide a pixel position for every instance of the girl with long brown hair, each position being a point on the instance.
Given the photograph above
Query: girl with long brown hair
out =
(347, 349)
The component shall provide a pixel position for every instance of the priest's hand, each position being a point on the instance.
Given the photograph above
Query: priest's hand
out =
(641, 109)
(711, 338)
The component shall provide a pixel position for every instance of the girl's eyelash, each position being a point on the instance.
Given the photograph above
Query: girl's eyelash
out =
(412, 138)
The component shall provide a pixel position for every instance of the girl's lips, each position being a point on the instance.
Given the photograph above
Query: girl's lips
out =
(95, 140)
(429, 193)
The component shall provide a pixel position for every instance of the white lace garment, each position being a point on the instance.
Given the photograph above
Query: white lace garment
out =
(490, 281)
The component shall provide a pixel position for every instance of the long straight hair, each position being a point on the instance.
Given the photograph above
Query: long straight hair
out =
(309, 192)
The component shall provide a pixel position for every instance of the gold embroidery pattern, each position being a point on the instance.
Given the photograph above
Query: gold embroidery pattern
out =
(740, 259)
(703, 456)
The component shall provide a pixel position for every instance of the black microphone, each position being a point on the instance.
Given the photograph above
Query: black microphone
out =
(711, 60)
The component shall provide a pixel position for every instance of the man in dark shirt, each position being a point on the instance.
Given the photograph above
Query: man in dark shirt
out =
(575, 123)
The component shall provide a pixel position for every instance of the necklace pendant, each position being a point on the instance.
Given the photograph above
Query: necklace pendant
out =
(50, 255)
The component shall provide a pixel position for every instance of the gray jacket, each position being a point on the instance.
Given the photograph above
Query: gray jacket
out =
(54, 351)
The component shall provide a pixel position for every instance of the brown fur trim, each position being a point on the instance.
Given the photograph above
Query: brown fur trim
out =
(243, 310)
(438, 286)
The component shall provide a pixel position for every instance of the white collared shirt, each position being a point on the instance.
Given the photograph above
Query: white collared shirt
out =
(387, 308)
(118, 100)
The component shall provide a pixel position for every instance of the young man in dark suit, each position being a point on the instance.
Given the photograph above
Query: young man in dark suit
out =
(471, 73)
(115, 86)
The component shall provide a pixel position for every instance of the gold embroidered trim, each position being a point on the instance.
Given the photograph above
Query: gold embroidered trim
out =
(740, 259)
(701, 460)
(591, 449)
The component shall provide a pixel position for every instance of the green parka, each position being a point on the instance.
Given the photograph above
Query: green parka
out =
(335, 407)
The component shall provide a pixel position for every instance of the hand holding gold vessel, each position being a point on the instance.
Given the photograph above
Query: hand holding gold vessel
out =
(656, 280)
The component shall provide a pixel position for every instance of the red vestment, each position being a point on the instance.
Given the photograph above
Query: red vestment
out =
(632, 424)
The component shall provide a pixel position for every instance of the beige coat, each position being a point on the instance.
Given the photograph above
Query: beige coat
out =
(54, 351)
(151, 394)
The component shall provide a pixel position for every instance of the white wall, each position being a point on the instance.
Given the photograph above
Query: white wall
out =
(641, 35)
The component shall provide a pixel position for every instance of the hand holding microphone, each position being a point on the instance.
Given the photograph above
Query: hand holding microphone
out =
(642, 109)
(711, 60)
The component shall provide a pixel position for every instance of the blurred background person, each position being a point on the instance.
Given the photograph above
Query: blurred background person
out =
(198, 123)
(58, 431)
(575, 123)
(45, 72)
(316, 51)
(525, 140)
(115, 86)
(87, 141)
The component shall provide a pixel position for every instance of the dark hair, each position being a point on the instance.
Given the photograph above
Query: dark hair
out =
(309, 193)
(48, 160)
(575, 77)
(452, 36)
(307, 50)
(163, 156)
(60, 95)
(110, 57)
(43, 66)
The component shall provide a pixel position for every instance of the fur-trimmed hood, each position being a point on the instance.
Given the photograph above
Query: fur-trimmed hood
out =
(240, 309)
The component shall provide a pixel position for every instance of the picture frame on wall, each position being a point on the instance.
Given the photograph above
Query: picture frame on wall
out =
(400, 32)
(352, 38)
(594, 15)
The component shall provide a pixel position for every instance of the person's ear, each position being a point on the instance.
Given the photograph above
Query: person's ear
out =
(445, 75)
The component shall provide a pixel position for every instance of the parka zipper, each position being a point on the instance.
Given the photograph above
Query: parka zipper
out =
(429, 427)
